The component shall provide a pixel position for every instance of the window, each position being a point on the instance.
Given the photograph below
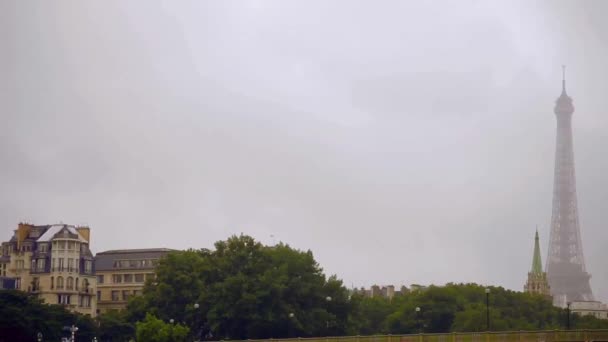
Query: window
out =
(117, 278)
(88, 266)
(115, 295)
(76, 265)
(43, 248)
(70, 265)
(60, 283)
(100, 279)
(63, 299)
(128, 278)
(18, 283)
(71, 245)
(19, 264)
(85, 301)
(137, 292)
(60, 264)
(61, 244)
(98, 296)
(52, 283)
(70, 283)
(33, 267)
(41, 264)
(76, 284)
(126, 294)
(139, 278)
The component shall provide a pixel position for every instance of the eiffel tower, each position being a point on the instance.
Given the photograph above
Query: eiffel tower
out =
(566, 271)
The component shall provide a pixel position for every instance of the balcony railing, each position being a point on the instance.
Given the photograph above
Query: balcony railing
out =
(503, 336)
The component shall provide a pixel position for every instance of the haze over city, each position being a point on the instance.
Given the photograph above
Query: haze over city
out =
(402, 143)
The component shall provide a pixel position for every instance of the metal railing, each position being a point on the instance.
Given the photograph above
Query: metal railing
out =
(502, 336)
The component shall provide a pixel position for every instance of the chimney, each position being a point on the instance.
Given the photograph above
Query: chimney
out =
(85, 232)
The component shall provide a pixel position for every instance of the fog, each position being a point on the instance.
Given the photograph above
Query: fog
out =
(402, 142)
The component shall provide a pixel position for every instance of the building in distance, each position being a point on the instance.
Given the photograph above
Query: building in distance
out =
(590, 308)
(122, 274)
(387, 291)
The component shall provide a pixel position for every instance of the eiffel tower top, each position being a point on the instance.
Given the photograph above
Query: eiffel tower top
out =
(564, 105)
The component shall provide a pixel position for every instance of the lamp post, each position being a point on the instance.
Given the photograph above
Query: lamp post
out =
(290, 325)
(487, 309)
(568, 316)
(200, 331)
(73, 330)
(39, 337)
(327, 299)
(171, 321)
(418, 319)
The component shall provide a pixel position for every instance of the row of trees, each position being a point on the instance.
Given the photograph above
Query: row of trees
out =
(245, 290)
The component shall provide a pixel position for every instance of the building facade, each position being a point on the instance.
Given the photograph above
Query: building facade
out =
(387, 291)
(122, 274)
(537, 279)
(53, 262)
(590, 308)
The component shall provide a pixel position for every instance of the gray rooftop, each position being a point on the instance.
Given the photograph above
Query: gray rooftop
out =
(104, 261)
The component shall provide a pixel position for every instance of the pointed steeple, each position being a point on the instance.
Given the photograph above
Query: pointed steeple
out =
(537, 279)
(537, 267)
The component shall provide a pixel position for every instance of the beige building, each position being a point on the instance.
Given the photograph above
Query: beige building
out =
(590, 308)
(53, 262)
(122, 274)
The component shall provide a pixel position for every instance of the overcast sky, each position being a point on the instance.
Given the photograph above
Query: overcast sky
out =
(401, 141)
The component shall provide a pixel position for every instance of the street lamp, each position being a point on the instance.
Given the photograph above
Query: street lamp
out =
(73, 330)
(418, 319)
(487, 309)
(568, 316)
(94, 339)
(171, 320)
(39, 337)
(200, 332)
(290, 325)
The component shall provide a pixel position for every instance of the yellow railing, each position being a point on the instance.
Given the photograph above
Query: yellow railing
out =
(506, 336)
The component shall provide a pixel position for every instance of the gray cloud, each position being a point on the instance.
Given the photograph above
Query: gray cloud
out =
(402, 143)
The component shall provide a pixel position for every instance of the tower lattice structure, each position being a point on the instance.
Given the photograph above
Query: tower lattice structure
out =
(566, 270)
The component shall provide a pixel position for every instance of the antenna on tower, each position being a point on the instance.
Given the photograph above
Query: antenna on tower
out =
(563, 78)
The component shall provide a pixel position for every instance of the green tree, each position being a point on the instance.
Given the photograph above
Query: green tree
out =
(243, 289)
(22, 316)
(114, 327)
(152, 329)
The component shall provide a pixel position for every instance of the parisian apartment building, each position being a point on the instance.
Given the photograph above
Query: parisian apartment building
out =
(122, 274)
(53, 262)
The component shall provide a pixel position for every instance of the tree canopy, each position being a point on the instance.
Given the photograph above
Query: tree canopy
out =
(23, 316)
(244, 290)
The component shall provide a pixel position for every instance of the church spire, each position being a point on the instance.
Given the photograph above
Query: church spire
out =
(537, 279)
(537, 267)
